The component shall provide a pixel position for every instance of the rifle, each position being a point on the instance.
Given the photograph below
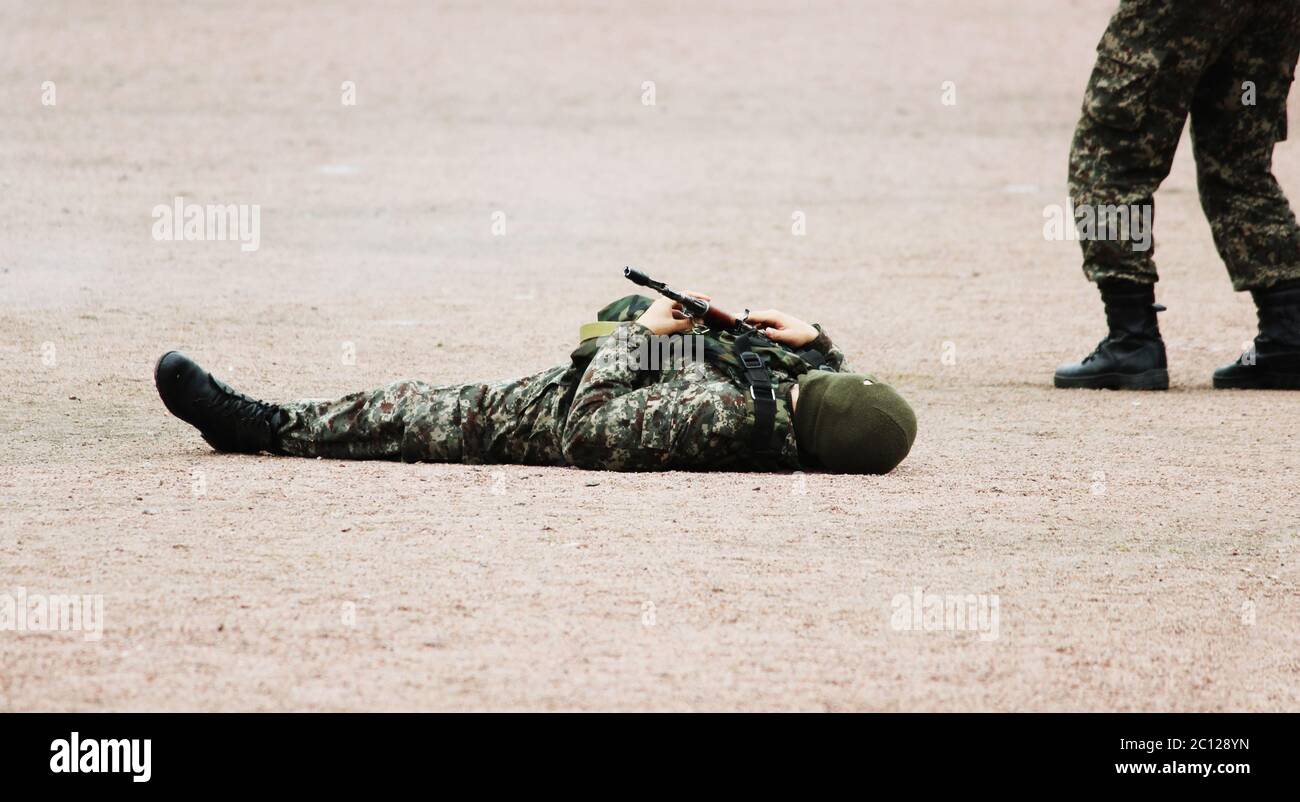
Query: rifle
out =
(757, 375)
(696, 308)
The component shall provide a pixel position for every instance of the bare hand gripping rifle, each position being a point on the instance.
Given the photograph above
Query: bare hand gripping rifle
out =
(762, 386)
(697, 308)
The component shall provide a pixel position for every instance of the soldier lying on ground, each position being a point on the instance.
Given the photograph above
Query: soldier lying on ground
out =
(794, 407)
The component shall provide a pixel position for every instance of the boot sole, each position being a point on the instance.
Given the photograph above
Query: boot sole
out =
(1157, 379)
(1267, 381)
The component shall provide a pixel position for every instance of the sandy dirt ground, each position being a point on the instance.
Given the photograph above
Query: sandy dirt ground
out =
(1144, 549)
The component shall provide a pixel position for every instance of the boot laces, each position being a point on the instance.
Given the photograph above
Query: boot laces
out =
(1096, 351)
(245, 410)
(1111, 337)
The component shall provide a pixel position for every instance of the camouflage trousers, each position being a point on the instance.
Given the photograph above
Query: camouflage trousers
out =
(1227, 63)
(519, 421)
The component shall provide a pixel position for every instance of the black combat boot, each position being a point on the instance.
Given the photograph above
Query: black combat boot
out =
(1132, 357)
(1274, 362)
(228, 420)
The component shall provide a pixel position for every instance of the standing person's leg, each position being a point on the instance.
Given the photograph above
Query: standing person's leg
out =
(1238, 115)
(1138, 97)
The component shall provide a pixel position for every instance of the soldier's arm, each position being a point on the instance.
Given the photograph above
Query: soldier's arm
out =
(834, 356)
(795, 333)
(615, 425)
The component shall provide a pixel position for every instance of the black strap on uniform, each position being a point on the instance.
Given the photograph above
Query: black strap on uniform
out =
(814, 358)
(763, 391)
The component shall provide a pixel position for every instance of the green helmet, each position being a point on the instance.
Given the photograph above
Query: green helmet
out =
(851, 423)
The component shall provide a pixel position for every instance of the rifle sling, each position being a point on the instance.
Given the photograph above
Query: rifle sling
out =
(763, 391)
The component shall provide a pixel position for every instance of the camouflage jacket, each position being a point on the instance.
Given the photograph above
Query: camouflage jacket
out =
(692, 414)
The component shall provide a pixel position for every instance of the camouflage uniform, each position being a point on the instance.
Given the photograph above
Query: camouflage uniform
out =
(607, 414)
(1158, 61)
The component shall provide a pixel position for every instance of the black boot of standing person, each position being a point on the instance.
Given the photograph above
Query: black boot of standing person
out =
(1132, 357)
(1274, 361)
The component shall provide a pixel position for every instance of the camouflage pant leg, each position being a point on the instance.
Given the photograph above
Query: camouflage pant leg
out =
(400, 419)
(1238, 114)
(515, 421)
(520, 421)
(1149, 61)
